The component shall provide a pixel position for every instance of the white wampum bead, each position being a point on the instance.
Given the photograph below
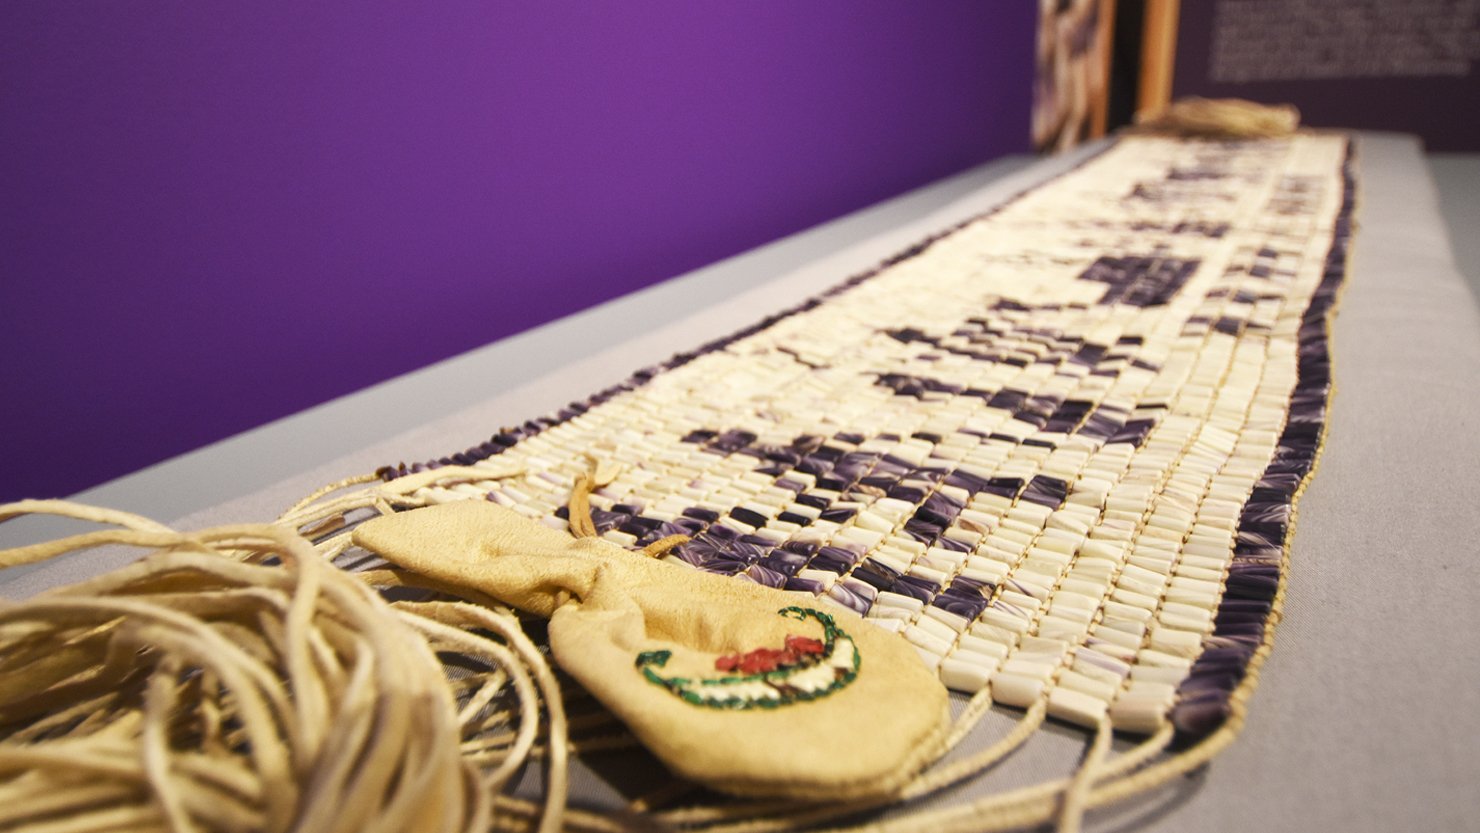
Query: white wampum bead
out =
(963, 674)
(1076, 707)
(936, 628)
(926, 640)
(954, 622)
(1015, 689)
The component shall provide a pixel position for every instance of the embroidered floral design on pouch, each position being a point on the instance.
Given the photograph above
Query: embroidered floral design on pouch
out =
(804, 669)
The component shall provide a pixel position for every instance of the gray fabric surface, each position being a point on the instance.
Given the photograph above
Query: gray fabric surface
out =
(1367, 715)
(1457, 176)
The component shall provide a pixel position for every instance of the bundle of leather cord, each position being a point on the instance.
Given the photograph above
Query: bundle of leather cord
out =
(1221, 118)
(233, 679)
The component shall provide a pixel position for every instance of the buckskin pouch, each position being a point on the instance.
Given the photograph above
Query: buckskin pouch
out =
(742, 688)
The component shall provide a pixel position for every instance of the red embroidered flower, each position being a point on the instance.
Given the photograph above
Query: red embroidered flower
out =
(763, 660)
(804, 645)
(760, 661)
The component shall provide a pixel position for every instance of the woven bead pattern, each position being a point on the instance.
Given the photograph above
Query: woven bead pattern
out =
(1056, 447)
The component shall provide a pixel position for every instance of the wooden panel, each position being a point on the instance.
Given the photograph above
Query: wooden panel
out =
(1158, 54)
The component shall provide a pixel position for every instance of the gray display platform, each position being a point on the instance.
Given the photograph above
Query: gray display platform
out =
(1368, 716)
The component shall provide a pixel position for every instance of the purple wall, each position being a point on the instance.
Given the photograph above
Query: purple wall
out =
(217, 213)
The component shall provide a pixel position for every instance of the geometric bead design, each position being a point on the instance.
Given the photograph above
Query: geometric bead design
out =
(1056, 447)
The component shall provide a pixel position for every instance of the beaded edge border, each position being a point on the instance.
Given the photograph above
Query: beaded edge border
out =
(1205, 696)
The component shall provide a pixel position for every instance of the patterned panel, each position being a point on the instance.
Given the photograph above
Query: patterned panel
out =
(1056, 447)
